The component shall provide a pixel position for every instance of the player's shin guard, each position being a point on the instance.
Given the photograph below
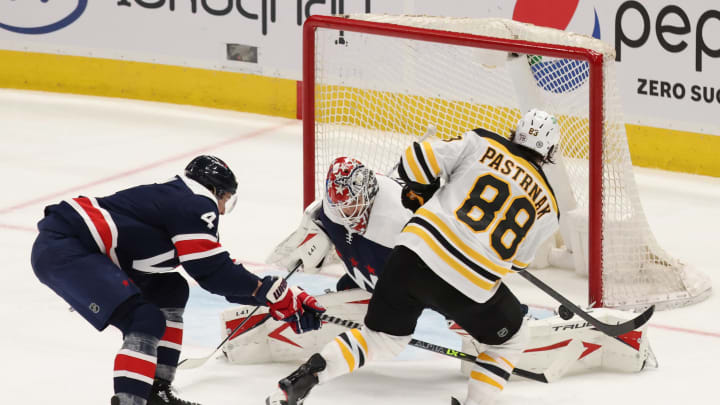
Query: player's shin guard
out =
(134, 369)
(345, 354)
(170, 344)
(142, 325)
(353, 349)
(493, 368)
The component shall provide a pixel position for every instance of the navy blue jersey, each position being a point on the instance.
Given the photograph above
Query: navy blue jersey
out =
(364, 255)
(155, 228)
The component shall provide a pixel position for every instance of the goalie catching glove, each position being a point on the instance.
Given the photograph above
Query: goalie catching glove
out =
(309, 243)
(290, 304)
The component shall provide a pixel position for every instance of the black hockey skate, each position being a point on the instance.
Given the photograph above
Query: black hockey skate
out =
(294, 388)
(162, 394)
(454, 401)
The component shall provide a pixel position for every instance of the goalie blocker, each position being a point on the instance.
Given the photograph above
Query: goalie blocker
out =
(557, 346)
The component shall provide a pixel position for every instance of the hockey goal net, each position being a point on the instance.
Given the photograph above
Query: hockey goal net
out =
(374, 83)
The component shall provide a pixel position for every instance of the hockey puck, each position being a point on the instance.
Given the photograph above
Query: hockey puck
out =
(565, 313)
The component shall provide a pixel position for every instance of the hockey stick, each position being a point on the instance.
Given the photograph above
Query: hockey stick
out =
(540, 377)
(187, 364)
(608, 329)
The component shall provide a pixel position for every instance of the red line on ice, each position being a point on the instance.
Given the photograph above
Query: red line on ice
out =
(181, 156)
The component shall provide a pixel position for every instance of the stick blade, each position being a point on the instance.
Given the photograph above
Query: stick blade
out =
(188, 364)
(628, 326)
(539, 377)
(643, 318)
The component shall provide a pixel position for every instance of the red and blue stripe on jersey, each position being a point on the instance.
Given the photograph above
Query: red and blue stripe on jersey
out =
(154, 228)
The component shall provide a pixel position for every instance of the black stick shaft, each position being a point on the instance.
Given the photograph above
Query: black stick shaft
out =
(608, 329)
(540, 377)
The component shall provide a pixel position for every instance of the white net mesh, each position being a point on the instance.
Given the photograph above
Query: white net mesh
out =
(374, 94)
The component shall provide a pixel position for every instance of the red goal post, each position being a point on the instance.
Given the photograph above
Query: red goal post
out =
(420, 30)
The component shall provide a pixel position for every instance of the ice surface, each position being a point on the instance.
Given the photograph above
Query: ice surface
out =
(58, 146)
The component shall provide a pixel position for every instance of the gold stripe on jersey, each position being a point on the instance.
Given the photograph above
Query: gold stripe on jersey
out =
(512, 366)
(420, 159)
(434, 166)
(442, 254)
(476, 375)
(520, 264)
(453, 251)
(417, 173)
(462, 246)
(528, 168)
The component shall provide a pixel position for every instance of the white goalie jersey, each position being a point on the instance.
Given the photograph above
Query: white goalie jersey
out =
(492, 212)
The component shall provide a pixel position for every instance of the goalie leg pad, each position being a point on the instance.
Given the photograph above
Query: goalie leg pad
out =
(557, 346)
(273, 341)
(353, 349)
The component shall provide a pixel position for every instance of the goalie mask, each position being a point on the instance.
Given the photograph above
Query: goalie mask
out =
(538, 131)
(350, 189)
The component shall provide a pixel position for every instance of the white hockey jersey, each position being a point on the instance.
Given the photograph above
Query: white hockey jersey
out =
(492, 212)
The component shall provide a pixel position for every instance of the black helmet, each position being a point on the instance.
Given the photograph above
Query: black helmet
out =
(212, 173)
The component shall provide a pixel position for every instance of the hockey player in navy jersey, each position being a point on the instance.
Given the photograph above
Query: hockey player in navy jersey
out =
(113, 260)
(493, 210)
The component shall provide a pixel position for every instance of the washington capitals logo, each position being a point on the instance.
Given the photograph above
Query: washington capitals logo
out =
(345, 183)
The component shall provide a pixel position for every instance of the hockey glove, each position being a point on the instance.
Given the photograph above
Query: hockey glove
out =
(414, 195)
(291, 304)
(308, 243)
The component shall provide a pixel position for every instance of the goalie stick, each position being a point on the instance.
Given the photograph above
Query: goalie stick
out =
(540, 377)
(608, 329)
(187, 364)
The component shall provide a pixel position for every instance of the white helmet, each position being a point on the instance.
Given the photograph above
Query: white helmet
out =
(538, 130)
